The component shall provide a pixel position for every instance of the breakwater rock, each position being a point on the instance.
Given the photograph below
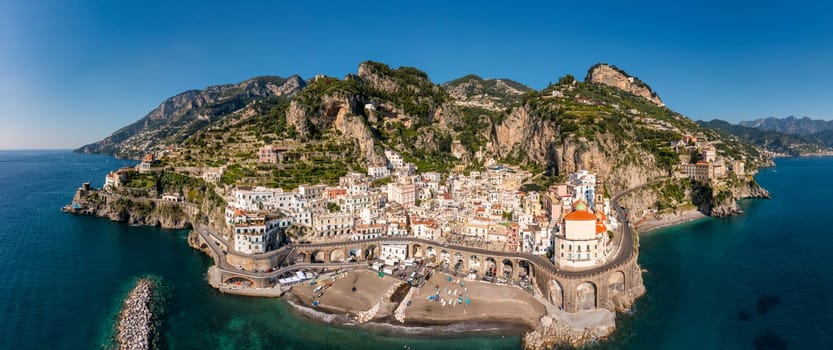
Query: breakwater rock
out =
(563, 330)
(136, 319)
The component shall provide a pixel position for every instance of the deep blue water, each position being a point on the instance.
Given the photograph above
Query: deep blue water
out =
(64, 276)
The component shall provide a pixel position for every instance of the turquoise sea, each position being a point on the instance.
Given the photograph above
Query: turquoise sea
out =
(756, 281)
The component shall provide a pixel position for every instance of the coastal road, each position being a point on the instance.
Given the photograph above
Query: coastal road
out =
(223, 264)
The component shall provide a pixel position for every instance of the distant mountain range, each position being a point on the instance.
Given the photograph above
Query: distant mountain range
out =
(791, 125)
(771, 140)
(812, 129)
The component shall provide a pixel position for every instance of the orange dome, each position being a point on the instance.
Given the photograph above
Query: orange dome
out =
(580, 215)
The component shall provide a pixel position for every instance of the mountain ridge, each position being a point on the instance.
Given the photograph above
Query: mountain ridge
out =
(183, 110)
(771, 140)
(565, 127)
(816, 129)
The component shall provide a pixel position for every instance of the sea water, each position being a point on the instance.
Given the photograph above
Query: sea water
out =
(64, 277)
(758, 280)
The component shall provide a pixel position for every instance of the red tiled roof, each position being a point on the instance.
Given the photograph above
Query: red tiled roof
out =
(580, 215)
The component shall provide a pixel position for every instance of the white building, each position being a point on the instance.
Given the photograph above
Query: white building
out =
(476, 229)
(394, 159)
(583, 185)
(255, 237)
(212, 176)
(396, 252)
(312, 192)
(332, 224)
(404, 194)
(371, 231)
(172, 197)
(112, 181)
(378, 172)
(252, 199)
(425, 229)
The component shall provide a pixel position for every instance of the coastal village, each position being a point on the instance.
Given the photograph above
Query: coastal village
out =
(369, 229)
(573, 226)
(570, 225)
(482, 209)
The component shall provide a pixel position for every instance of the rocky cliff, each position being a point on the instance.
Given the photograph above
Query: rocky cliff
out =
(725, 201)
(527, 135)
(133, 211)
(615, 77)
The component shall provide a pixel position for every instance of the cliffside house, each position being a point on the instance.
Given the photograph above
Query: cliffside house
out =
(147, 161)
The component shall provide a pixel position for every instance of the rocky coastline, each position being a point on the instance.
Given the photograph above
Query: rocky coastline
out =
(729, 206)
(135, 330)
(134, 211)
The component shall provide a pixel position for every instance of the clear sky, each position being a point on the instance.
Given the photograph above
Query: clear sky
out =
(73, 72)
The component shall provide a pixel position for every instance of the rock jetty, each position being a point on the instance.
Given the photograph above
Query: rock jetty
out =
(135, 329)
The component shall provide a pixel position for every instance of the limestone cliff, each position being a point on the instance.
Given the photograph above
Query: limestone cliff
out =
(527, 134)
(615, 77)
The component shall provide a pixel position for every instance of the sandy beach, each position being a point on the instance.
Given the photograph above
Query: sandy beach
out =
(488, 303)
(340, 298)
(652, 223)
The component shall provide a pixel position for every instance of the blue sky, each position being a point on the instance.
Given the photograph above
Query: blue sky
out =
(71, 73)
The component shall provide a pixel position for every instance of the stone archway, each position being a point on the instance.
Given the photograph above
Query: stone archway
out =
(300, 257)
(474, 264)
(556, 294)
(318, 256)
(524, 270)
(459, 263)
(430, 255)
(416, 251)
(586, 296)
(507, 269)
(239, 281)
(355, 254)
(372, 252)
(337, 255)
(445, 258)
(490, 267)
